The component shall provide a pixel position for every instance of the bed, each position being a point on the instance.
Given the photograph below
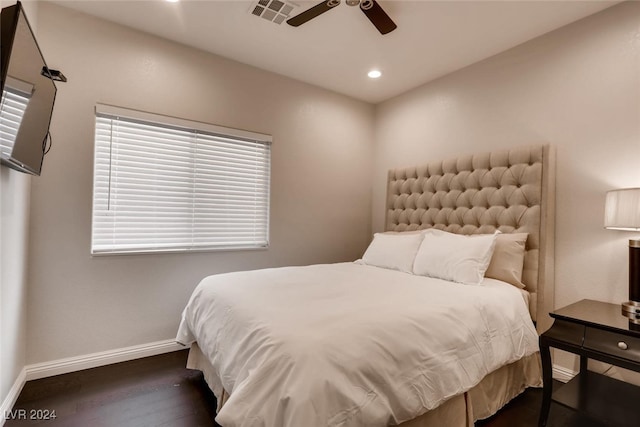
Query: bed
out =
(364, 344)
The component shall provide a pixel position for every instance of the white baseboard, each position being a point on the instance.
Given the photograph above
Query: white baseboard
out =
(93, 360)
(11, 398)
(563, 374)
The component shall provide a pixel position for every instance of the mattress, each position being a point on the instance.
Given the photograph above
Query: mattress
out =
(351, 345)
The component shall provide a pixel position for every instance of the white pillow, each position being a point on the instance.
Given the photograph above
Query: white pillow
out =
(395, 251)
(454, 257)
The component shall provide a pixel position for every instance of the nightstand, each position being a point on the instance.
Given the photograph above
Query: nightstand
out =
(593, 330)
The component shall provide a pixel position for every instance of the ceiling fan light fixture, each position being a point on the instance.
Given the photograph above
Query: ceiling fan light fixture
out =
(374, 74)
(366, 4)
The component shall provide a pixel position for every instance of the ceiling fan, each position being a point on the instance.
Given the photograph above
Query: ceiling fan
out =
(370, 8)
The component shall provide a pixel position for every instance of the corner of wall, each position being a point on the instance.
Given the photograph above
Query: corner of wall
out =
(14, 226)
(15, 193)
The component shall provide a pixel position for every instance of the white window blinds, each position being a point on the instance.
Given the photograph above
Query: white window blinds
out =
(165, 184)
(12, 110)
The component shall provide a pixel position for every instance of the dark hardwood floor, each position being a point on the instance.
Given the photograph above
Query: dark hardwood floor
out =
(160, 392)
(154, 391)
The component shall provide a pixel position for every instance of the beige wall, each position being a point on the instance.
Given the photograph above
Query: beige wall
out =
(14, 219)
(577, 88)
(321, 158)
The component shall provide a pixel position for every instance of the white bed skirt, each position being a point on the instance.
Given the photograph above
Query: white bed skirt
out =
(482, 401)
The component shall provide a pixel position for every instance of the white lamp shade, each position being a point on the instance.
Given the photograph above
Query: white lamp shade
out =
(622, 209)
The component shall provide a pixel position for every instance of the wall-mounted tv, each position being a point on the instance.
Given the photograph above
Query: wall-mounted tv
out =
(28, 94)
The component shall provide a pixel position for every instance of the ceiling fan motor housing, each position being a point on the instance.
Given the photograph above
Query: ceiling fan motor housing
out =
(366, 4)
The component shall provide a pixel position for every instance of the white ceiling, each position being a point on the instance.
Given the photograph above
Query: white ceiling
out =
(336, 49)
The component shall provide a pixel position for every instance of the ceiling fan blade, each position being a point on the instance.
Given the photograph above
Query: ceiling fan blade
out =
(313, 12)
(377, 16)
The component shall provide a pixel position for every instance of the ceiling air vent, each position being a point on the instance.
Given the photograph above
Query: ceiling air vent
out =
(273, 10)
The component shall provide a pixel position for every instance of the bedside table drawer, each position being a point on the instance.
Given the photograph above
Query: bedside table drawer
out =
(618, 345)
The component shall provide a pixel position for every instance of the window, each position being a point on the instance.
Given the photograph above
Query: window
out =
(14, 105)
(163, 184)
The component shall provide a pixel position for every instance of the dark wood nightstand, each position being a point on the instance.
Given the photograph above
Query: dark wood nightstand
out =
(593, 330)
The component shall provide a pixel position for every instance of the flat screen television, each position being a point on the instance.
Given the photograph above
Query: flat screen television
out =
(28, 94)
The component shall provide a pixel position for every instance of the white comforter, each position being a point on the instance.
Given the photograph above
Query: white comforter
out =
(349, 344)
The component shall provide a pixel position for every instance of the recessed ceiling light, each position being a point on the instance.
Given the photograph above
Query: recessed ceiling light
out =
(374, 74)
(173, 1)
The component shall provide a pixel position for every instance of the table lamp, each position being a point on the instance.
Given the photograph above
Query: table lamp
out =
(622, 212)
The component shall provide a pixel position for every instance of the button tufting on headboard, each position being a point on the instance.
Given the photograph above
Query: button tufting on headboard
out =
(482, 193)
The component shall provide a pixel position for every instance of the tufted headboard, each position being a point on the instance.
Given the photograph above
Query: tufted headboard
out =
(512, 191)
